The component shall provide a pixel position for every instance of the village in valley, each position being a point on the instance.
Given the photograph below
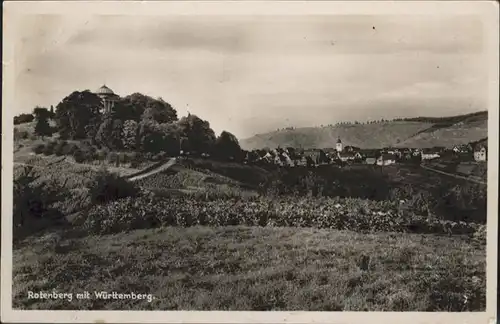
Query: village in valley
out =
(342, 155)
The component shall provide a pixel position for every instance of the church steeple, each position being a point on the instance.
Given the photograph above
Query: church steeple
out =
(338, 146)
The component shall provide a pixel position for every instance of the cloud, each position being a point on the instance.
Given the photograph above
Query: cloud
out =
(429, 89)
(244, 74)
(162, 34)
(281, 34)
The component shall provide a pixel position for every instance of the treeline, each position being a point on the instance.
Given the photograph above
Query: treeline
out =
(23, 118)
(285, 128)
(450, 120)
(361, 123)
(137, 123)
(38, 112)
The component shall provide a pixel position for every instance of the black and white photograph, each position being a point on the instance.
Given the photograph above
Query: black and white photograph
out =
(262, 161)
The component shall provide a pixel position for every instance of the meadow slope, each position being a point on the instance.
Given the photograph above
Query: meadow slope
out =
(427, 133)
(253, 268)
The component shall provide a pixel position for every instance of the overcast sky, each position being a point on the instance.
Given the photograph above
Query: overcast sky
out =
(250, 75)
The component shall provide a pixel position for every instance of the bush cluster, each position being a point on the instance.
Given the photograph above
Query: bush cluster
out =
(23, 118)
(465, 202)
(33, 205)
(109, 186)
(64, 173)
(337, 213)
(39, 149)
(453, 202)
(84, 152)
(20, 134)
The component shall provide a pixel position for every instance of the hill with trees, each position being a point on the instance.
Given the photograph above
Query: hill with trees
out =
(137, 123)
(417, 132)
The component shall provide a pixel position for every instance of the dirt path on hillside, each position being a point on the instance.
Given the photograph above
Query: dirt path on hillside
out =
(158, 169)
(453, 175)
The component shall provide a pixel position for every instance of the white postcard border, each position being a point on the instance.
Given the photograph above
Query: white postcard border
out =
(487, 9)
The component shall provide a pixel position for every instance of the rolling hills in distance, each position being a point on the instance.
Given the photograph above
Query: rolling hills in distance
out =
(419, 132)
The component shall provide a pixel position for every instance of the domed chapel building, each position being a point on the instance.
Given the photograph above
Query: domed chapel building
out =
(108, 98)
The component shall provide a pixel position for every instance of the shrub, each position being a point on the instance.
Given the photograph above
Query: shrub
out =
(123, 158)
(101, 155)
(69, 148)
(33, 201)
(88, 150)
(59, 148)
(122, 218)
(39, 149)
(140, 157)
(105, 150)
(161, 156)
(109, 186)
(451, 291)
(49, 150)
(42, 127)
(78, 156)
(18, 135)
(465, 202)
(135, 163)
(479, 236)
(52, 144)
(88, 155)
(113, 157)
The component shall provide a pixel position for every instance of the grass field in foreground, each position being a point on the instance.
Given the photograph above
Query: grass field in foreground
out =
(252, 268)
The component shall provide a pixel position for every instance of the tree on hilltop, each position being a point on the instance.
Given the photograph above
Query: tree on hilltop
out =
(41, 112)
(172, 138)
(150, 137)
(109, 133)
(42, 126)
(138, 106)
(77, 115)
(227, 146)
(129, 134)
(200, 136)
(160, 111)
